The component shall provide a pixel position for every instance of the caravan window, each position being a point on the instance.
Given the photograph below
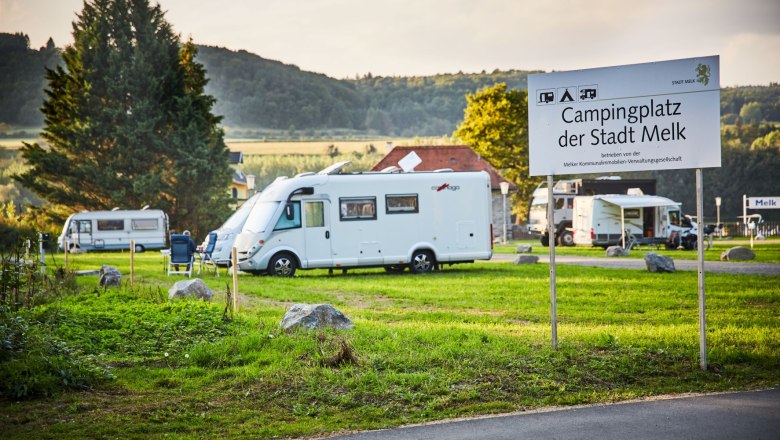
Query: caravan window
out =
(144, 224)
(110, 225)
(290, 223)
(401, 204)
(357, 208)
(315, 214)
(632, 212)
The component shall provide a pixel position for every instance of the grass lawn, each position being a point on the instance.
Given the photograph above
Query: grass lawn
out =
(468, 340)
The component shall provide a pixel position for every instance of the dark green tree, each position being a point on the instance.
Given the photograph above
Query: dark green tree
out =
(495, 125)
(127, 122)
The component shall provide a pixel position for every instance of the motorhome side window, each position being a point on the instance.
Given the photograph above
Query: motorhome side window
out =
(110, 225)
(401, 204)
(357, 208)
(290, 222)
(144, 224)
(632, 212)
(315, 214)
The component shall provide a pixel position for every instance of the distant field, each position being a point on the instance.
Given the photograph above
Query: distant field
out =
(248, 146)
(319, 147)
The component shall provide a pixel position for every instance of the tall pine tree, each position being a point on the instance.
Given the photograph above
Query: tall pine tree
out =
(127, 122)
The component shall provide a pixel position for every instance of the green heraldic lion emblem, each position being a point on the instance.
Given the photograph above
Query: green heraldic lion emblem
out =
(703, 74)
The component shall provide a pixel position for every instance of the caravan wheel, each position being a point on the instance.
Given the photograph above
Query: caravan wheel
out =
(282, 265)
(422, 262)
(139, 248)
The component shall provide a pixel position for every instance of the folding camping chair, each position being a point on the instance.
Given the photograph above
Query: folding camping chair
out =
(181, 255)
(205, 255)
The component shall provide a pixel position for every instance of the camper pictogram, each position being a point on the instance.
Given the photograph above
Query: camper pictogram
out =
(588, 93)
(545, 96)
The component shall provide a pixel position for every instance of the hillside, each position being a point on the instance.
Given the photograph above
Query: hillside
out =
(265, 98)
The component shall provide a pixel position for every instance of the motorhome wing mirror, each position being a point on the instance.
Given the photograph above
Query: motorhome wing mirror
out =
(289, 212)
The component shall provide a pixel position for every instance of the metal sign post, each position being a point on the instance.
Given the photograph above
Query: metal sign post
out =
(551, 234)
(700, 265)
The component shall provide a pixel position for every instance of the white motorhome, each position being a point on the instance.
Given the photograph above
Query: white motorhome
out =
(227, 233)
(604, 220)
(394, 220)
(113, 230)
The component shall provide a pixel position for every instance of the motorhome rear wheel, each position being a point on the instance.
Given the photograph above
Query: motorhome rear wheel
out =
(422, 262)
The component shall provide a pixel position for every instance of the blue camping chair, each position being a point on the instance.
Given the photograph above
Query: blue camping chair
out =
(205, 255)
(181, 255)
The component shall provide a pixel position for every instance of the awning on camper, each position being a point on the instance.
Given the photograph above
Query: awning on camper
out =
(626, 201)
(631, 201)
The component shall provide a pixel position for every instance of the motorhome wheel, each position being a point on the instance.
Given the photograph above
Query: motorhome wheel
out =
(422, 262)
(545, 240)
(282, 265)
(139, 248)
(566, 238)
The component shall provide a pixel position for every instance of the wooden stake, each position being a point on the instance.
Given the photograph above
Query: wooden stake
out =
(234, 259)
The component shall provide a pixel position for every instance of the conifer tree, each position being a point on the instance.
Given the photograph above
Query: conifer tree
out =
(127, 122)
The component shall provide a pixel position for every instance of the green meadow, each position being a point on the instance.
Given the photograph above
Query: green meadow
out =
(468, 340)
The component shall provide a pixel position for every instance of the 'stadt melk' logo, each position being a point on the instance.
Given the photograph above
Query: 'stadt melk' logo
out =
(703, 74)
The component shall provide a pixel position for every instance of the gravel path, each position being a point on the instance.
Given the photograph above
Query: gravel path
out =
(772, 269)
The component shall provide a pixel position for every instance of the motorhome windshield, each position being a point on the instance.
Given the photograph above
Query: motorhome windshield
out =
(239, 217)
(260, 216)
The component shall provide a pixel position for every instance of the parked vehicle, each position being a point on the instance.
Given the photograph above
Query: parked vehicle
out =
(564, 192)
(394, 220)
(113, 230)
(227, 233)
(605, 220)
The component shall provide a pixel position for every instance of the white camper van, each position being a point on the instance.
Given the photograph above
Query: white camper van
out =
(602, 220)
(227, 233)
(113, 230)
(377, 219)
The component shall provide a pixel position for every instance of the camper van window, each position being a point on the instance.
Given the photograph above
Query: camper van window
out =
(110, 225)
(144, 224)
(559, 202)
(632, 213)
(290, 223)
(401, 204)
(357, 208)
(84, 226)
(315, 214)
(674, 218)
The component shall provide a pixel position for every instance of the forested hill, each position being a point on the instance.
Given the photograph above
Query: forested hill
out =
(258, 96)
(254, 92)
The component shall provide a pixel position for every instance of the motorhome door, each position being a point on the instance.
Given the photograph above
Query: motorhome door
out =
(316, 228)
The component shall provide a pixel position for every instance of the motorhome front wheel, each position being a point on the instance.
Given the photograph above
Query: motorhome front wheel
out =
(282, 265)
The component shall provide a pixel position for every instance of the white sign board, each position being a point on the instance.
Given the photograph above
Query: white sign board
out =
(653, 116)
(763, 202)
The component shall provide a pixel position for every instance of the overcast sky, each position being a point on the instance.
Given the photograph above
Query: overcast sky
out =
(344, 38)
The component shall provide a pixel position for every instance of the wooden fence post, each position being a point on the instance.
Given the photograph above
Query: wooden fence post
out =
(234, 261)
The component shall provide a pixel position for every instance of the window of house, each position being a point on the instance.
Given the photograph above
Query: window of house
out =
(143, 224)
(401, 204)
(357, 208)
(110, 225)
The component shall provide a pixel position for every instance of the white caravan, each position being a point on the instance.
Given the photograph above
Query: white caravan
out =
(113, 230)
(602, 220)
(227, 233)
(393, 220)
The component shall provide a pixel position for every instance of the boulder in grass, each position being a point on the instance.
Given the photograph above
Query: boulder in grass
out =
(526, 259)
(110, 276)
(737, 253)
(523, 249)
(194, 288)
(616, 251)
(659, 263)
(315, 316)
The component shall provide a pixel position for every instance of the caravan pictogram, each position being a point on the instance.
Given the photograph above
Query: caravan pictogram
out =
(545, 97)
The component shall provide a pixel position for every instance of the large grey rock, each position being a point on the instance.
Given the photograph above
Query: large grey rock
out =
(616, 251)
(523, 249)
(659, 263)
(314, 316)
(110, 276)
(526, 259)
(737, 253)
(194, 288)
